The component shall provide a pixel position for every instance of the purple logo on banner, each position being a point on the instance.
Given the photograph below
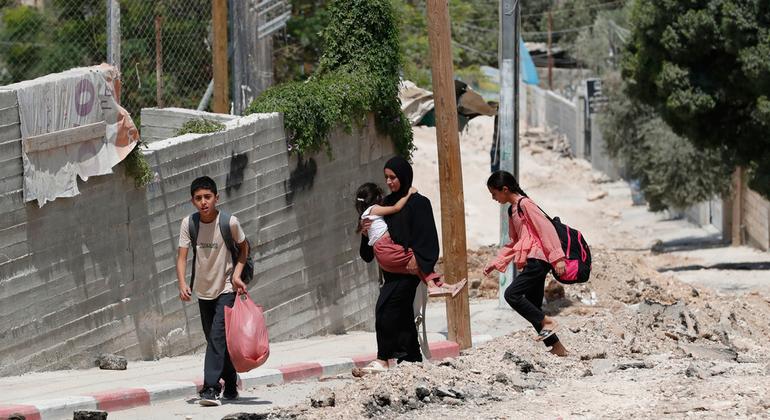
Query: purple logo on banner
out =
(84, 103)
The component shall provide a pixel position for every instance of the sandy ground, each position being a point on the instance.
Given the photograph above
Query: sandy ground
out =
(475, 143)
(645, 338)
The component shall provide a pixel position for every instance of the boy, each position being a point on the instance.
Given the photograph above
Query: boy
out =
(217, 278)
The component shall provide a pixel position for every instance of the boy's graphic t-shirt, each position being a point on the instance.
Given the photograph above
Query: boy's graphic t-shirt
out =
(213, 262)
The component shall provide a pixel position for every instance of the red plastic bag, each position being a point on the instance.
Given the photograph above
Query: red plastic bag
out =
(247, 340)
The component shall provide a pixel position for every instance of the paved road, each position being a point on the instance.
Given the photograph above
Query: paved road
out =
(254, 400)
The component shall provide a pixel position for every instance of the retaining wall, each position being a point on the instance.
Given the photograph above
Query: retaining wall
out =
(95, 273)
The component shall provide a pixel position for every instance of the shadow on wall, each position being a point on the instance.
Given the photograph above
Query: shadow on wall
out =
(315, 217)
(238, 163)
(301, 178)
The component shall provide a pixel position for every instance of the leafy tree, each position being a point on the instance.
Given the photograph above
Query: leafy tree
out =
(672, 172)
(357, 74)
(298, 48)
(703, 66)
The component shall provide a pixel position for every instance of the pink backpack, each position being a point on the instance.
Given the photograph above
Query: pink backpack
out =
(574, 245)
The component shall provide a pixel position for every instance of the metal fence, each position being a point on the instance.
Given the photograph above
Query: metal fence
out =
(165, 45)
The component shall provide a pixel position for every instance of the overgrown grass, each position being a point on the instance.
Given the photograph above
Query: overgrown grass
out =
(200, 126)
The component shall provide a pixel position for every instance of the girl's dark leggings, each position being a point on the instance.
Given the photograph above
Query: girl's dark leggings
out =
(525, 295)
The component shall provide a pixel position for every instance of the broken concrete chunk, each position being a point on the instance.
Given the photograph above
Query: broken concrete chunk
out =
(247, 416)
(324, 397)
(442, 392)
(709, 352)
(421, 391)
(500, 377)
(381, 399)
(111, 362)
(89, 415)
(595, 355)
(694, 371)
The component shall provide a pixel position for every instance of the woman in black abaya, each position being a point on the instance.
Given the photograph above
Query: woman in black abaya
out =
(413, 227)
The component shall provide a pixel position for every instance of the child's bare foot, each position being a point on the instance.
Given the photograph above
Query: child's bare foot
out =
(559, 350)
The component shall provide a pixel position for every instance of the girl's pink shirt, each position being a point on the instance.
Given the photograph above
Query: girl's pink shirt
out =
(543, 244)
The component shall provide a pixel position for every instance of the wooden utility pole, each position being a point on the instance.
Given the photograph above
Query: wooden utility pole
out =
(221, 102)
(550, 54)
(450, 170)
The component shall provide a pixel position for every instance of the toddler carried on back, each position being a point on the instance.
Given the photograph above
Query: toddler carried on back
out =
(391, 256)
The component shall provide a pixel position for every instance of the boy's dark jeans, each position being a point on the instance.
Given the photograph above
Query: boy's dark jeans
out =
(217, 363)
(525, 295)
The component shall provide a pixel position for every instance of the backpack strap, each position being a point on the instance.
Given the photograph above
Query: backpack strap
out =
(193, 225)
(227, 235)
(521, 212)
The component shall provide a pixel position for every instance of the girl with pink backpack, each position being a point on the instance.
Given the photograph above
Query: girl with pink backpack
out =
(535, 248)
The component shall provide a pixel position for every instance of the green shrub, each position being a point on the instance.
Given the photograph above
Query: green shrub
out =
(357, 74)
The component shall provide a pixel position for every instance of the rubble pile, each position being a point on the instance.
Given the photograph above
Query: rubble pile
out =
(638, 341)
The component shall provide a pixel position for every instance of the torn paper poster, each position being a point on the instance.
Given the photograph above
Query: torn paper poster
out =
(71, 125)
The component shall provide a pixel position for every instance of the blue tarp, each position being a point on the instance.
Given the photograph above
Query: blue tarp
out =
(527, 70)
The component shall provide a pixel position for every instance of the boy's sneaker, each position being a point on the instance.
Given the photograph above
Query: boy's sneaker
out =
(230, 395)
(209, 398)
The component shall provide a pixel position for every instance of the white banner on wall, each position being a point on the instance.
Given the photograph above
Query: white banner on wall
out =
(71, 125)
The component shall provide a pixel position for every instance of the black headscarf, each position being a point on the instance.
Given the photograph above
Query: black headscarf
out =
(413, 227)
(403, 171)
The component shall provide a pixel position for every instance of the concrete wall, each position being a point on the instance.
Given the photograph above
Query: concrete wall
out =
(756, 219)
(549, 110)
(561, 116)
(95, 273)
(707, 213)
(163, 123)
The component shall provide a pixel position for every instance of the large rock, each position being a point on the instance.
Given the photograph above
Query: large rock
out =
(111, 362)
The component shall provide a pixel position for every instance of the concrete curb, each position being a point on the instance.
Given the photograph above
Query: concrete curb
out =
(124, 398)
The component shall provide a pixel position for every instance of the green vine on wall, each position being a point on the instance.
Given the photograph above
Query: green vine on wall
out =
(357, 74)
(137, 167)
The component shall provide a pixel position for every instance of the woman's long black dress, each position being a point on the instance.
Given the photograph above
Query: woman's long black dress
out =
(415, 228)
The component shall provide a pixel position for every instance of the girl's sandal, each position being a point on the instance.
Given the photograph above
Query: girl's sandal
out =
(546, 332)
(439, 291)
(458, 287)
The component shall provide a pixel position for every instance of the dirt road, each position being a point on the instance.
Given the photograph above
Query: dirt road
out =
(642, 342)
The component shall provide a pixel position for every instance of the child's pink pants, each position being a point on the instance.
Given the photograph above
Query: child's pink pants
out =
(393, 258)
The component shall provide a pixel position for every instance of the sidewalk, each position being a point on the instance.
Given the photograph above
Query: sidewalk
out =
(52, 395)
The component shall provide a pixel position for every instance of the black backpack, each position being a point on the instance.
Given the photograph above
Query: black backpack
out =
(574, 245)
(224, 228)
